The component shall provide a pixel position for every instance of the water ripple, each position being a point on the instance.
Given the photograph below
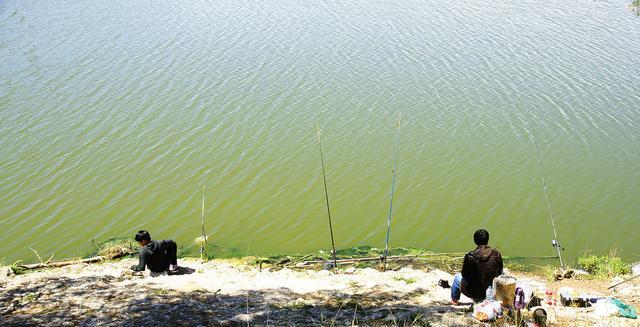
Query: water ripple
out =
(110, 112)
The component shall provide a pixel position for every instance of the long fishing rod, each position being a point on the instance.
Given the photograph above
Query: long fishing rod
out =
(554, 242)
(326, 196)
(393, 188)
(624, 281)
(203, 236)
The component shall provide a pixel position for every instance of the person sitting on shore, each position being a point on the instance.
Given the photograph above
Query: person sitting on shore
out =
(479, 268)
(158, 256)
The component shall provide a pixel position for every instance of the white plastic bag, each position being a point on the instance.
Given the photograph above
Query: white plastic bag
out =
(605, 308)
(487, 310)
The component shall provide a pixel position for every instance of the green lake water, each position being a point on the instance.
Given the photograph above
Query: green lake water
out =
(110, 111)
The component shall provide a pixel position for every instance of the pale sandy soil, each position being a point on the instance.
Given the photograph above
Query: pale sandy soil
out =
(231, 293)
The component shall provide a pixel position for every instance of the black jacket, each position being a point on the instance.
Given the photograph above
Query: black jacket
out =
(479, 269)
(154, 256)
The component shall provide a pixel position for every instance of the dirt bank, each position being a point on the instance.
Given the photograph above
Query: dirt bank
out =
(233, 293)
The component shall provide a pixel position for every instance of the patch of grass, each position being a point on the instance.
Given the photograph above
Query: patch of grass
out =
(343, 303)
(358, 251)
(515, 266)
(17, 269)
(423, 258)
(112, 248)
(446, 263)
(549, 272)
(367, 251)
(362, 265)
(418, 319)
(635, 7)
(406, 280)
(160, 291)
(604, 266)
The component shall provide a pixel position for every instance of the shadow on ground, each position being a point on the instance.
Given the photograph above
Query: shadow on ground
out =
(183, 271)
(104, 300)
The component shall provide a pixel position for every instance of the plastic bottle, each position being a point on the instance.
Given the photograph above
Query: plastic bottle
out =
(489, 294)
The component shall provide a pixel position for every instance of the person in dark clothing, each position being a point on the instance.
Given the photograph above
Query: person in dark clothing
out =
(479, 268)
(158, 256)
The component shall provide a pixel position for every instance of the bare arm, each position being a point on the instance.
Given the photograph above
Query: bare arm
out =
(141, 263)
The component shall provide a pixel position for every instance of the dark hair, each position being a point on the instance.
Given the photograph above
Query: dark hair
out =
(540, 317)
(143, 235)
(481, 237)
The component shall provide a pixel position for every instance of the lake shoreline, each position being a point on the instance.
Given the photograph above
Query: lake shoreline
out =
(241, 291)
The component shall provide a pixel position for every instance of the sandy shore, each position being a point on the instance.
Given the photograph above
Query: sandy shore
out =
(231, 293)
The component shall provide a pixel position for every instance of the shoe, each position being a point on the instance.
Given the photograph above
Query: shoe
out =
(444, 284)
(173, 268)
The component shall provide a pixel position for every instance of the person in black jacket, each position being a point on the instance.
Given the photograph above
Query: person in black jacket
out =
(479, 268)
(158, 256)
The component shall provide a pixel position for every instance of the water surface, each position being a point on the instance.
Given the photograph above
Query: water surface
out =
(110, 111)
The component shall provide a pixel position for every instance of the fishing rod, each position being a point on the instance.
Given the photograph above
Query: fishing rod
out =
(326, 196)
(393, 188)
(203, 236)
(624, 281)
(554, 242)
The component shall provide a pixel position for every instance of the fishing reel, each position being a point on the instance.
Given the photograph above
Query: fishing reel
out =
(555, 244)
